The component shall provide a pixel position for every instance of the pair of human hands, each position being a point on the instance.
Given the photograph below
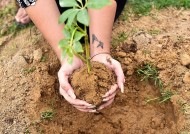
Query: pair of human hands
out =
(68, 93)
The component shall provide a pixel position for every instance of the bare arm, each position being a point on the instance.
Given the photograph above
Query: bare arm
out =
(101, 24)
(45, 15)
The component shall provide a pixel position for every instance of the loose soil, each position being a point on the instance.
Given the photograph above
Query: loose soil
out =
(92, 87)
(29, 84)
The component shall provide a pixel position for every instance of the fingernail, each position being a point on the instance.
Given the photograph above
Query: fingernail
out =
(89, 105)
(17, 19)
(106, 99)
(92, 106)
(100, 108)
(122, 88)
(105, 95)
(92, 111)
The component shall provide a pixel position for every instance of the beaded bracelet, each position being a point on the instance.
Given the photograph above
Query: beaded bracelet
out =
(98, 54)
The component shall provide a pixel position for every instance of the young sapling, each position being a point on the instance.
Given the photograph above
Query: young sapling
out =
(75, 15)
(90, 82)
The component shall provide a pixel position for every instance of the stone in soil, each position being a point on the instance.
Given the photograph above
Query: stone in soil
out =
(186, 78)
(91, 87)
(185, 59)
(37, 55)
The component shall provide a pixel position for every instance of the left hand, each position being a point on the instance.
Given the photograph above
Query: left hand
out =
(114, 65)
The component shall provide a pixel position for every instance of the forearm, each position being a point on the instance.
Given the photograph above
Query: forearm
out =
(101, 24)
(45, 15)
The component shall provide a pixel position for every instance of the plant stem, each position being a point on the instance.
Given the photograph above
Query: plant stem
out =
(86, 1)
(71, 42)
(87, 48)
(72, 37)
(80, 56)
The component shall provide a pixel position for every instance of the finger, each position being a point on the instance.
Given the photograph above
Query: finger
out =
(71, 100)
(109, 97)
(25, 20)
(120, 75)
(84, 107)
(19, 14)
(106, 104)
(71, 93)
(111, 91)
(87, 110)
(63, 79)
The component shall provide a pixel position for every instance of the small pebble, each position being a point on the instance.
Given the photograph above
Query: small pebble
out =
(37, 55)
(186, 78)
(121, 54)
(185, 59)
(3, 90)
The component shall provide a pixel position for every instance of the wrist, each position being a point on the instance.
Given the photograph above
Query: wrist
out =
(94, 50)
(100, 54)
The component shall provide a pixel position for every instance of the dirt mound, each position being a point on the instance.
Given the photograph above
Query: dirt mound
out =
(30, 101)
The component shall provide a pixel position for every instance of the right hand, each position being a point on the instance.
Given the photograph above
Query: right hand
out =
(65, 88)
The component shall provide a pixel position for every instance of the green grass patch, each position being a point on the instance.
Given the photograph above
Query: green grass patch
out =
(143, 7)
(47, 115)
(147, 72)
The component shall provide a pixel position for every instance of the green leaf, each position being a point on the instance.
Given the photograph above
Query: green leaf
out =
(63, 43)
(70, 60)
(64, 54)
(68, 15)
(72, 16)
(78, 35)
(68, 3)
(65, 15)
(70, 51)
(83, 17)
(67, 33)
(97, 4)
(77, 46)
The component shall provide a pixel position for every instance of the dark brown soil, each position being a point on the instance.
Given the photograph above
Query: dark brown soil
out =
(91, 87)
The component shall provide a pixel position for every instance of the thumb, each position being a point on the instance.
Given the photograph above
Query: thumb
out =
(120, 75)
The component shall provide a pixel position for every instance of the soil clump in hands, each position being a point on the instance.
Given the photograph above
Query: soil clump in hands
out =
(92, 87)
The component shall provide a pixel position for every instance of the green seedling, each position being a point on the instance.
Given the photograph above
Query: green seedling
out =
(29, 70)
(43, 59)
(165, 96)
(27, 131)
(148, 72)
(122, 36)
(48, 115)
(186, 108)
(76, 15)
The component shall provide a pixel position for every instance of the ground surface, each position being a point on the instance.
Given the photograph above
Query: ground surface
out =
(29, 86)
